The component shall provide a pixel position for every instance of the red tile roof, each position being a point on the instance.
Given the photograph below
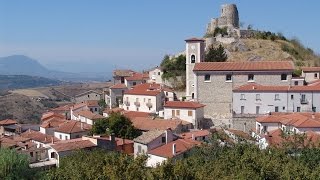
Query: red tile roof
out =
(8, 122)
(137, 77)
(197, 133)
(245, 66)
(183, 104)
(92, 103)
(253, 87)
(122, 72)
(53, 122)
(90, 115)
(38, 136)
(310, 69)
(147, 124)
(147, 89)
(118, 86)
(113, 110)
(182, 146)
(50, 115)
(134, 114)
(72, 126)
(194, 39)
(72, 144)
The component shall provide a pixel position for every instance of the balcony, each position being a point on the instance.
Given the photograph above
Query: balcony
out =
(137, 104)
(127, 103)
(149, 105)
(303, 101)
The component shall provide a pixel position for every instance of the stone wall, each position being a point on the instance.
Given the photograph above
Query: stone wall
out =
(244, 124)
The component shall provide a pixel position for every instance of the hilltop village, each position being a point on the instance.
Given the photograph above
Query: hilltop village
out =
(252, 101)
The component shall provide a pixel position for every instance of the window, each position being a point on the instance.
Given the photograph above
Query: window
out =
(314, 109)
(228, 77)
(207, 77)
(315, 75)
(265, 128)
(95, 109)
(258, 97)
(276, 97)
(303, 97)
(283, 77)
(296, 83)
(173, 113)
(31, 154)
(137, 99)
(283, 108)
(159, 73)
(77, 136)
(178, 112)
(122, 80)
(134, 83)
(137, 109)
(193, 58)
(66, 137)
(88, 95)
(242, 109)
(127, 108)
(166, 93)
(192, 95)
(257, 109)
(190, 113)
(291, 96)
(243, 97)
(163, 139)
(298, 109)
(250, 77)
(60, 136)
(276, 109)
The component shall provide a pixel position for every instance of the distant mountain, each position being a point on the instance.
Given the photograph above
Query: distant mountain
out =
(24, 81)
(23, 65)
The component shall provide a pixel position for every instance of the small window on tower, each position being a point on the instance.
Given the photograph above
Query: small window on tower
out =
(193, 58)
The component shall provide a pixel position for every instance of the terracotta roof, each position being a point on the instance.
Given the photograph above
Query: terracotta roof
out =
(118, 86)
(90, 115)
(299, 120)
(310, 69)
(72, 126)
(50, 115)
(7, 142)
(8, 122)
(147, 89)
(78, 106)
(72, 144)
(245, 66)
(147, 124)
(122, 72)
(38, 136)
(113, 110)
(183, 104)
(53, 123)
(134, 114)
(149, 136)
(182, 146)
(197, 133)
(253, 87)
(137, 77)
(194, 39)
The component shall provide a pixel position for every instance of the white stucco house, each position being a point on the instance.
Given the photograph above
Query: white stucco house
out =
(71, 130)
(310, 73)
(192, 112)
(87, 117)
(155, 75)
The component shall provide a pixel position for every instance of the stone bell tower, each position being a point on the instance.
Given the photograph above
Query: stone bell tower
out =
(194, 54)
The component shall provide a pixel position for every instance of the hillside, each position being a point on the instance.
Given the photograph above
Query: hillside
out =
(24, 81)
(260, 49)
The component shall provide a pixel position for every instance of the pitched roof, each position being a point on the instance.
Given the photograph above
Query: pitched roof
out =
(91, 103)
(118, 86)
(245, 66)
(90, 115)
(134, 114)
(38, 136)
(194, 39)
(137, 77)
(147, 89)
(149, 136)
(72, 126)
(253, 87)
(8, 122)
(197, 133)
(183, 104)
(147, 123)
(182, 146)
(113, 110)
(50, 115)
(72, 144)
(310, 69)
(53, 123)
(122, 72)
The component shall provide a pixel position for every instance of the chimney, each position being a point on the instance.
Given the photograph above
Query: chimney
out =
(174, 149)
(52, 140)
(45, 139)
(81, 125)
(192, 137)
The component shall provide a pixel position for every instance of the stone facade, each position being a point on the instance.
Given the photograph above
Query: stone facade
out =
(216, 94)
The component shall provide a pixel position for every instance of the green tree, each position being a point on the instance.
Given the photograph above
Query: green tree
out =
(100, 127)
(216, 54)
(14, 165)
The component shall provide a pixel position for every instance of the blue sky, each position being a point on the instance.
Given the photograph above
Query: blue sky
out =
(99, 35)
